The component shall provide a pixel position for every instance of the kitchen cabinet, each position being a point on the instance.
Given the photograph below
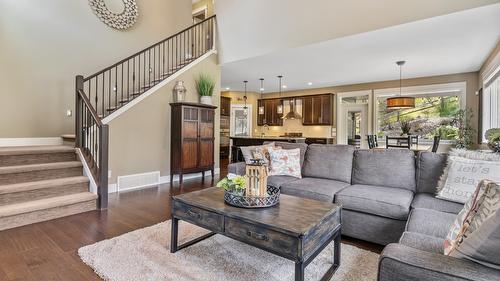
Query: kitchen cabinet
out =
(271, 117)
(317, 110)
(225, 106)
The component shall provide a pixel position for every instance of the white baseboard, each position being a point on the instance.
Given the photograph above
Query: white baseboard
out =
(30, 141)
(112, 188)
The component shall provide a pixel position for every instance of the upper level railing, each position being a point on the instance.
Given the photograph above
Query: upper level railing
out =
(102, 93)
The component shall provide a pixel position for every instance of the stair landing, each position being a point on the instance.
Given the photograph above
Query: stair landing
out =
(41, 183)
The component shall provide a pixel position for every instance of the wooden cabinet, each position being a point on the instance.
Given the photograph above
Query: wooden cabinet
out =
(225, 106)
(317, 110)
(192, 139)
(271, 116)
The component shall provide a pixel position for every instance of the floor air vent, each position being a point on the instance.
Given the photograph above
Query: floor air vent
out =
(138, 180)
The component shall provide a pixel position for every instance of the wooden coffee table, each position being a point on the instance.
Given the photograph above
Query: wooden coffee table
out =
(297, 229)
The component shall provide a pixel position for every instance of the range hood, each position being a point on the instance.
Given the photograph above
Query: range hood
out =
(292, 114)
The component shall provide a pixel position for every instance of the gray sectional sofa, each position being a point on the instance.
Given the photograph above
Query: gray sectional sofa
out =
(387, 198)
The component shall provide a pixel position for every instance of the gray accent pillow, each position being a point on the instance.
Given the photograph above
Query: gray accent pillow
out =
(430, 167)
(388, 168)
(329, 162)
(248, 152)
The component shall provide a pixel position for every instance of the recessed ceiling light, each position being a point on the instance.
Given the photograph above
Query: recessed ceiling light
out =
(227, 88)
(309, 83)
(284, 86)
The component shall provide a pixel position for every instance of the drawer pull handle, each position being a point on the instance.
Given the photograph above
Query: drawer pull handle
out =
(257, 236)
(193, 214)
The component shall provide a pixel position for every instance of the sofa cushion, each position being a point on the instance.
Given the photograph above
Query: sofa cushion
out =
(422, 242)
(385, 167)
(387, 202)
(430, 167)
(329, 162)
(278, 181)
(430, 222)
(314, 188)
(292, 145)
(428, 201)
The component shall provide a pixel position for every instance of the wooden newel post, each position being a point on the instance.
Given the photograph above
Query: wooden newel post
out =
(256, 180)
(78, 113)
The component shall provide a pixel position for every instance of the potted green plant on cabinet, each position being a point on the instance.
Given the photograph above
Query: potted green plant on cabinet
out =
(205, 86)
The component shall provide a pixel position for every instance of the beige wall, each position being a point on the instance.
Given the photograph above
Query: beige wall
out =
(208, 3)
(44, 44)
(470, 78)
(139, 139)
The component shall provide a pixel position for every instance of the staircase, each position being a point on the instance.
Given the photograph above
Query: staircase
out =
(41, 183)
(103, 94)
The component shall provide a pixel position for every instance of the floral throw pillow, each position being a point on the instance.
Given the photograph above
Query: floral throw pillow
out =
(284, 162)
(475, 232)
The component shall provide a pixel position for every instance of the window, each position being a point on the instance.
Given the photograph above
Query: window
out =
(432, 115)
(491, 106)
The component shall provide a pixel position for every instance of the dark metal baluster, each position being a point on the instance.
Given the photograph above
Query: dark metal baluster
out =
(149, 67)
(163, 60)
(116, 88)
(121, 89)
(128, 80)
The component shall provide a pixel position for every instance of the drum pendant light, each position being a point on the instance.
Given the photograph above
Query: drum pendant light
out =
(400, 102)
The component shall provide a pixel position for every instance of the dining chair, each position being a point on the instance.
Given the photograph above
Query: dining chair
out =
(371, 142)
(401, 142)
(435, 144)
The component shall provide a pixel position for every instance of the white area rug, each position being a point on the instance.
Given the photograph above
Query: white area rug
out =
(144, 254)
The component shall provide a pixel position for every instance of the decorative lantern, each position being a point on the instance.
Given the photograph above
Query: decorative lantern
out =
(256, 178)
(179, 91)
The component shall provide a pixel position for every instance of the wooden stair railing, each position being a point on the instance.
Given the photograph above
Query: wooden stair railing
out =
(102, 93)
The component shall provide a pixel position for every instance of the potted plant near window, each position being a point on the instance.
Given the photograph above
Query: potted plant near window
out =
(205, 86)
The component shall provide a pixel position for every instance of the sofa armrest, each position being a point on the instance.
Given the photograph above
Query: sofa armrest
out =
(400, 262)
(238, 168)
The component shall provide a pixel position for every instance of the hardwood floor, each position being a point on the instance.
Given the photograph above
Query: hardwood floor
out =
(48, 250)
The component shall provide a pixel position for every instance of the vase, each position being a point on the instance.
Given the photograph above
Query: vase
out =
(179, 91)
(206, 100)
(495, 146)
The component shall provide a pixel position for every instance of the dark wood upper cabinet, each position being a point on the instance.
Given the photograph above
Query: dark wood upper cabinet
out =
(317, 110)
(271, 117)
(225, 106)
(192, 138)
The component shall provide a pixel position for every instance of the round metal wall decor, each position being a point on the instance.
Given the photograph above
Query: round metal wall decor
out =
(121, 21)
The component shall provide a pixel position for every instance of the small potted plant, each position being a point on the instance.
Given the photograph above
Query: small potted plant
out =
(405, 127)
(493, 137)
(233, 183)
(205, 86)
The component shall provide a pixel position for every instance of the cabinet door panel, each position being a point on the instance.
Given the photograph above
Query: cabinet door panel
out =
(189, 153)
(190, 129)
(307, 111)
(206, 152)
(268, 111)
(326, 110)
(206, 123)
(316, 110)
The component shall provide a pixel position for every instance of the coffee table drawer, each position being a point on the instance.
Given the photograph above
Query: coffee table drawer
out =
(204, 218)
(265, 238)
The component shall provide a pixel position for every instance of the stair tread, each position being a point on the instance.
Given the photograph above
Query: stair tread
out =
(68, 136)
(48, 203)
(23, 150)
(39, 167)
(34, 185)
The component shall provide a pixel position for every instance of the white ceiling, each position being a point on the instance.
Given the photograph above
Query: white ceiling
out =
(453, 43)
